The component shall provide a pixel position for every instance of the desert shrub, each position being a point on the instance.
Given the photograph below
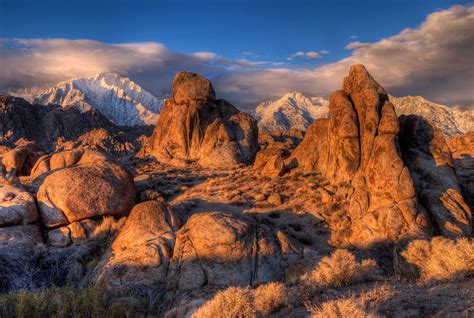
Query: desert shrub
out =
(232, 302)
(341, 269)
(269, 298)
(184, 310)
(441, 259)
(346, 307)
(62, 302)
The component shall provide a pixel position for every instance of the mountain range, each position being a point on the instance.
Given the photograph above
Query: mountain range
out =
(126, 103)
(118, 98)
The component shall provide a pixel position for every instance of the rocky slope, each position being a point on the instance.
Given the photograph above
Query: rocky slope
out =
(118, 98)
(297, 111)
(59, 128)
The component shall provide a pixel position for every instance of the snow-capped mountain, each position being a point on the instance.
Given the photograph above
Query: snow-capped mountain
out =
(118, 98)
(293, 110)
(452, 121)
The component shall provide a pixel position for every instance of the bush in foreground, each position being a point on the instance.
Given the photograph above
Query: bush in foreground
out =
(346, 307)
(233, 302)
(341, 269)
(270, 298)
(441, 259)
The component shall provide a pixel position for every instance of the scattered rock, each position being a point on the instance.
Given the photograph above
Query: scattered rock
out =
(275, 199)
(193, 126)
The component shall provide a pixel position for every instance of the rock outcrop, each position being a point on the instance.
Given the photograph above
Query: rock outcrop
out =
(427, 155)
(357, 148)
(194, 126)
(462, 150)
(58, 128)
(271, 161)
(218, 249)
(17, 206)
(141, 253)
(89, 186)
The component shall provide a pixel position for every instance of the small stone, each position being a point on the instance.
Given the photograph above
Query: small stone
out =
(259, 197)
(275, 199)
(60, 237)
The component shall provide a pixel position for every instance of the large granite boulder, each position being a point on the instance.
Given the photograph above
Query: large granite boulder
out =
(427, 155)
(219, 249)
(462, 150)
(194, 126)
(357, 147)
(141, 253)
(91, 187)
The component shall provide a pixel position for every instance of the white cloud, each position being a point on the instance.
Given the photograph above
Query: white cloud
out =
(308, 55)
(435, 60)
(324, 52)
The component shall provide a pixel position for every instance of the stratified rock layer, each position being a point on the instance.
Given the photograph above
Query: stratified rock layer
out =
(431, 165)
(357, 148)
(194, 126)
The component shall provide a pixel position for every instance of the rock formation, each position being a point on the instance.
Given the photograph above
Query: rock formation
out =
(194, 126)
(91, 187)
(22, 159)
(462, 150)
(271, 161)
(62, 128)
(431, 165)
(142, 251)
(357, 148)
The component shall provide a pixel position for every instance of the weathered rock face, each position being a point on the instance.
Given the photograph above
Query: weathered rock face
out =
(142, 251)
(462, 150)
(431, 165)
(218, 249)
(358, 146)
(194, 126)
(22, 159)
(89, 188)
(17, 207)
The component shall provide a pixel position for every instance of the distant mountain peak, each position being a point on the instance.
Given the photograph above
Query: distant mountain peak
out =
(120, 99)
(297, 110)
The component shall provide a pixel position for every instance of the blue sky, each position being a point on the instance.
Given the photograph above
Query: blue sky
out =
(264, 34)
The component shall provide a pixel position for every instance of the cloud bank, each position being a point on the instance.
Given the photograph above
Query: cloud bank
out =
(435, 60)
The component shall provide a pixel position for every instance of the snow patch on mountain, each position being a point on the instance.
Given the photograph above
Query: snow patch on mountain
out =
(118, 98)
(293, 110)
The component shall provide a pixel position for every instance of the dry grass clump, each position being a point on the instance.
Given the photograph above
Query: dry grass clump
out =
(341, 269)
(345, 307)
(270, 298)
(62, 302)
(233, 302)
(441, 259)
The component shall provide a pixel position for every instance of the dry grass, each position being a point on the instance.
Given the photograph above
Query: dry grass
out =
(62, 302)
(441, 259)
(342, 269)
(270, 298)
(340, 308)
(232, 302)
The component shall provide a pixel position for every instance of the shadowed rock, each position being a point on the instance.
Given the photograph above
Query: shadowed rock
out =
(22, 159)
(462, 149)
(142, 251)
(193, 126)
(357, 146)
(431, 165)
